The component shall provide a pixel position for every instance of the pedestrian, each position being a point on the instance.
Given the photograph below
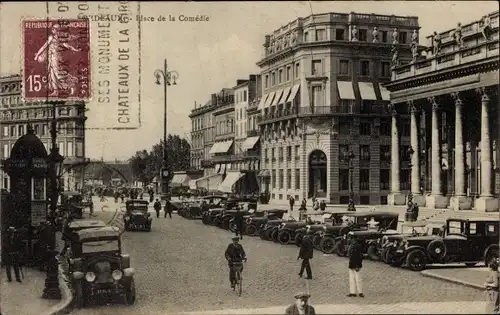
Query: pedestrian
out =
(151, 196)
(301, 306)
(168, 208)
(491, 285)
(13, 253)
(292, 202)
(316, 204)
(355, 265)
(302, 209)
(322, 205)
(238, 221)
(157, 207)
(91, 209)
(306, 254)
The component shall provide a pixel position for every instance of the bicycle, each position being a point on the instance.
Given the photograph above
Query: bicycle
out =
(238, 279)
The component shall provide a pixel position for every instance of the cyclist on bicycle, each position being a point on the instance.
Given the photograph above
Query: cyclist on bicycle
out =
(234, 253)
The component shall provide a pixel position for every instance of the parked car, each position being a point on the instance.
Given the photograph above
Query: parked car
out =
(99, 268)
(463, 241)
(370, 241)
(335, 237)
(225, 218)
(254, 223)
(267, 228)
(286, 231)
(71, 229)
(210, 217)
(137, 216)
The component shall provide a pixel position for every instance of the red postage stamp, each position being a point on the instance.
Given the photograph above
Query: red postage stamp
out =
(57, 60)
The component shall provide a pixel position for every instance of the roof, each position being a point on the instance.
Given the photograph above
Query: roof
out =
(86, 223)
(28, 146)
(107, 231)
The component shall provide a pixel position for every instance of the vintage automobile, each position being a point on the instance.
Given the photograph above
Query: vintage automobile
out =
(211, 216)
(253, 223)
(70, 230)
(99, 268)
(463, 241)
(194, 209)
(236, 201)
(329, 219)
(370, 240)
(334, 239)
(136, 215)
(72, 203)
(267, 228)
(286, 231)
(225, 219)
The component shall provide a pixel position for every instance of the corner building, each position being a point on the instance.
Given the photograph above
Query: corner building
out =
(322, 98)
(451, 94)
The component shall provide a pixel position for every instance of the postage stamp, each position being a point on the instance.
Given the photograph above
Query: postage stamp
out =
(56, 60)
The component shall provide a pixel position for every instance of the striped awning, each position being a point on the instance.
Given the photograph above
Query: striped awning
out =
(293, 93)
(284, 96)
(249, 143)
(277, 97)
(262, 101)
(269, 99)
(228, 182)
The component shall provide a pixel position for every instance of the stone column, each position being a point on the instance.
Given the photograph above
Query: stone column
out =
(486, 201)
(395, 197)
(460, 200)
(436, 200)
(418, 198)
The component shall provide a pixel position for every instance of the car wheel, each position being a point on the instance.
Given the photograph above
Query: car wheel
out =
(416, 260)
(251, 230)
(284, 237)
(268, 233)
(78, 297)
(317, 241)
(263, 235)
(491, 255)
(130, 293)
(274, 235)
(327, 245)
(437, 249)
(232, 227)
(148, 228)
(298, 238)
(383, 254)
(341, 248)
(204, 219)
(372, 252)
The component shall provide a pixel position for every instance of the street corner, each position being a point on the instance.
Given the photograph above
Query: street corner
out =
(470, 277)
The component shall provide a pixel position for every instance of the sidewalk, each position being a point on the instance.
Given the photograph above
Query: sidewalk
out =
(471, 277)
(400, 308)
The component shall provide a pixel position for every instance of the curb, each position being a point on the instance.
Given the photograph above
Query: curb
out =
(430, 274)
(67, 296)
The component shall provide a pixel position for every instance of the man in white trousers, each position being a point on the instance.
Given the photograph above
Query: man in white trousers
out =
(355, 265)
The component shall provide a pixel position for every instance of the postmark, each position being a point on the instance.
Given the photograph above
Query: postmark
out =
(56, 60)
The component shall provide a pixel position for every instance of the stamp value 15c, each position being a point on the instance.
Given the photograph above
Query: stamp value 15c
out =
(56, 60)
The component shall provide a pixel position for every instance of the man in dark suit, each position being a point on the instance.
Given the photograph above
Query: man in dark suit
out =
(238, 221)
(157, 207)
(13, 253)
(355, 265)
(301, 306)
(306, 253)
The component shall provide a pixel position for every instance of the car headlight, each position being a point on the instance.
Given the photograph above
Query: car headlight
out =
(90, 276)
(282, 225)
(127, 218)
(324, 228)
(117, 274)
(344, 236)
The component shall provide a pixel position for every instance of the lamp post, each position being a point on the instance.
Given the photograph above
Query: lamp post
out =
(51, 290)
(169, 78)
(351, 206)
(410, 195)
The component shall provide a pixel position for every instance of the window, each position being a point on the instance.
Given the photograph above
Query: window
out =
(402, 37)
(362, 36)
(244, 96)
(344, 67)
(364, 200)
(273, 78)
(339, 34)
(266, 81)
(306, 37)
(5, 151)
(344, 126)
(384, 179)
(403, 154)
(405, 179)
(385, 153)
(344, 179)
(366, 106)
(365, 128)
(343, 152)
(20, 131)
(317, 96)
(280, 76)
(385, 69)
(288, 179)
(384, 36)
(472, 229)
(281, 155)
(385, 126)
(281, 179)
(297, 154)
(289, 153)
(364, 179)
(5, 131)
(273, 178)
(37, 129)
(70, 149)
(405, 127)
(288, 73)
(273, 158)
(364, 152)
(320, 35)
(61, 148)
(297, 178)
(365, 68)
(297, 69)
(316, 67)
(38, 188)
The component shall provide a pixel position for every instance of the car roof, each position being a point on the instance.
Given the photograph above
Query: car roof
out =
(107, 231)
(86, 223)
(474, 220)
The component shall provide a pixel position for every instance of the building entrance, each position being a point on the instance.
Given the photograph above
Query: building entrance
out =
(317, 174)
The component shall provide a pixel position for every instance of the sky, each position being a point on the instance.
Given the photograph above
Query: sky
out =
(207, 55)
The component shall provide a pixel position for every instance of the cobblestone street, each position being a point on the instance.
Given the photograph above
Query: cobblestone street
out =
(180, 267)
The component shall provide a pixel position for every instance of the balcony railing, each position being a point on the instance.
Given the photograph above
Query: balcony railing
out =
(326, 110)
(279, 115)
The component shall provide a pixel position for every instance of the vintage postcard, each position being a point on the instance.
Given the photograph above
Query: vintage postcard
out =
(249, 157)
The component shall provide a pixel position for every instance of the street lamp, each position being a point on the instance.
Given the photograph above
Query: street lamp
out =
(169, 78)
(351, 206)
(410, 195)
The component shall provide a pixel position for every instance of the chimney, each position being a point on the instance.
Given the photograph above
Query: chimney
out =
(240, 81)
(194, 104)
(214, 99)
(268, 40)
(252, 77)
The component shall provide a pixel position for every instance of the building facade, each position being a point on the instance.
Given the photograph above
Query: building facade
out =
(323, 98)
(452, 97)
(16, 115)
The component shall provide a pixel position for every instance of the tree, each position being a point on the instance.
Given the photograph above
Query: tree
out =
(147, 165)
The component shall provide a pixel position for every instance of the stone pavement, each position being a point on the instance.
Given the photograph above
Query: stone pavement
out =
(471, 277)
(398, 308)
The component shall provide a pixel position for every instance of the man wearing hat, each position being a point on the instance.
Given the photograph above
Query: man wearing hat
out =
(306, 253)
(234, 253)
(355, 265)
(13, 252)
(301, 305)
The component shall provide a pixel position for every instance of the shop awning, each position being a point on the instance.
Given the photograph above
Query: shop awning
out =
(224, 146)
(228, 183)
(277, 97)
(180, 180)
(209, 182)
(293, 93)
(214, 148)
(386, 95)
(284, 96)
(192, 184)
(262, 101)
(346, 91)
(249, 143)
(367, 92)
(269, 99)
